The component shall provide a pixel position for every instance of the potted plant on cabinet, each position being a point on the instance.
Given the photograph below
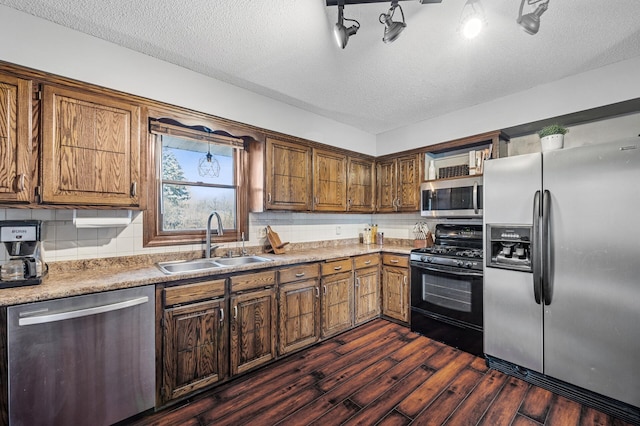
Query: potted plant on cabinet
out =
(552, 137)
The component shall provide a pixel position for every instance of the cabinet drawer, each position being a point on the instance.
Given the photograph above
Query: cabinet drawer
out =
(395, 260)
(252, 281)
(296, 273)
(366, 261)
(193, 292)
(337, 266)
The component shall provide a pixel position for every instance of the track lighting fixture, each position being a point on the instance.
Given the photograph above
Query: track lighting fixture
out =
(392, 29)
(472, 19)
(531, 21)
(341, 32)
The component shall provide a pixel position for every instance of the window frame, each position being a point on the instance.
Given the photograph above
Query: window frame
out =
(153, 235)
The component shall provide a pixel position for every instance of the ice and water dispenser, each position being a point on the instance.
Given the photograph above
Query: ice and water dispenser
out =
(509, 247)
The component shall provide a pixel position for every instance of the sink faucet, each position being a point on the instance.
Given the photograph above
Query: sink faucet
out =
(220, 232)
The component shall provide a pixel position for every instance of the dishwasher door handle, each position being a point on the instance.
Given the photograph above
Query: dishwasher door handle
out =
(94, 310)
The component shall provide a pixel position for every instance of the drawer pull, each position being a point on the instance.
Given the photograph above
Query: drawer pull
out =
(394, 260)
(337, 268)
(235, 312)
(367, 262)
(221, 314)
(317, 292)
(21, 182)
(300, 274)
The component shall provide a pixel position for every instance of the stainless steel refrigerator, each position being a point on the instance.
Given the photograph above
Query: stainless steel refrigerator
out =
(567, 310)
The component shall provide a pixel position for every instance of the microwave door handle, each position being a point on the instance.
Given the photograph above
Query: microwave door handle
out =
(475, 197)
(535, 249)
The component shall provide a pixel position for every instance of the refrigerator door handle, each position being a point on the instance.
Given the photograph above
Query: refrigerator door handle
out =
(535, 249)
(475, 197)
(545, 248)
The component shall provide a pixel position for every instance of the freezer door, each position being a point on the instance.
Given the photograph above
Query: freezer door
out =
(591, 333)
(512, 318)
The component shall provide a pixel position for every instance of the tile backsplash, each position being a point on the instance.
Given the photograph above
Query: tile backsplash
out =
(62, 241)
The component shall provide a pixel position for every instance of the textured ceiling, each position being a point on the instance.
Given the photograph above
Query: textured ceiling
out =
(285, 49)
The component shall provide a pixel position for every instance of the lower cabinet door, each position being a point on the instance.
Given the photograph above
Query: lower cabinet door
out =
(253, 329)
(299, 315)
(395, 293)
(195, 337)
(367, 294)
(337, 303)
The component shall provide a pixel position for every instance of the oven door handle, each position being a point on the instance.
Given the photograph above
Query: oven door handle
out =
(466, 274)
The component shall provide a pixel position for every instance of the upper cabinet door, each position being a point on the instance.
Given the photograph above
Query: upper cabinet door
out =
(408, 195)
(15, 139)
(360, 189)
(288, 176)
(90, 149)
(329, 181)
(386, 186)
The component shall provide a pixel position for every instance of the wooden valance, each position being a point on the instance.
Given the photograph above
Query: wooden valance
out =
(169, 126)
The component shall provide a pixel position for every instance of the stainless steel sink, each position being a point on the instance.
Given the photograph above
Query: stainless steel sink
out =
(243, 260)
(181, 266)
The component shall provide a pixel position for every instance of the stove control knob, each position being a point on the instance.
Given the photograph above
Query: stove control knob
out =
(468, 264)
(424, 259)
(459, 262)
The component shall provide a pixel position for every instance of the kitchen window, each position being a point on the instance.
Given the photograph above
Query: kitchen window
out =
(196, 171)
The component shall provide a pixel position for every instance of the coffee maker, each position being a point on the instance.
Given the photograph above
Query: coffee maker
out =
(22, 239)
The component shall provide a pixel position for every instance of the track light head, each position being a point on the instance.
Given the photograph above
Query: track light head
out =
(392, 29)
(530, 22)
(341, 32)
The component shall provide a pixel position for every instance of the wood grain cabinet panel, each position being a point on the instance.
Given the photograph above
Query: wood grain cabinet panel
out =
(90, 149)
(15, 140)
(395, 287)
(194, 348)
(288, 176)
(253, 329)
(299, 311)
(329, 181)
(360, 185)
(367, 294)
(337, 303)
(398, 183)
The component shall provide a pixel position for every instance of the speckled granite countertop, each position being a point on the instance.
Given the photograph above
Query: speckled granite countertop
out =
(91, 276)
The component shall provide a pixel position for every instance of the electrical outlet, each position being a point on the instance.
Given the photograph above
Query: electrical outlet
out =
(263, 232)
(338, 230)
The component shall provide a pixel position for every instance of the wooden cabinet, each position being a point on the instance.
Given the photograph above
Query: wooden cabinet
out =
(398, 183)
(329, 181)
(288, 176)
(299, 295)
(360, 185)
(90, 149)
(337, 297)
(253, 321)
(16, 166)
(367, 287)
(194, 338)
(395, 287)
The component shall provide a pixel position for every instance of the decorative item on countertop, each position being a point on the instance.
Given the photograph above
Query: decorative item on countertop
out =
(374, 233)
(421, 235)
(277, 246)
(366, 235)
(552, 137)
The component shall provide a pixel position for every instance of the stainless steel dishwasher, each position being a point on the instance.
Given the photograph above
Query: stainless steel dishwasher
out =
(82, 360)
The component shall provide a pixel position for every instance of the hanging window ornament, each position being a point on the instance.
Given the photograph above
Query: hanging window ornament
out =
(209, 165)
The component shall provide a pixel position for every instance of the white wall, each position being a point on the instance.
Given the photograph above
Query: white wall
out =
(45, 46)
(603, 86)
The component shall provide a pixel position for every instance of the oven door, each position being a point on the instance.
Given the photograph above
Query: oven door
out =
(447, 293)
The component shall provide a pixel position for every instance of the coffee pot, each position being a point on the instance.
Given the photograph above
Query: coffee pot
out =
(22, 240)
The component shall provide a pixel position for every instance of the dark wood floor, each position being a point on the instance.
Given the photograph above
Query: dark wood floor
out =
(379, 374)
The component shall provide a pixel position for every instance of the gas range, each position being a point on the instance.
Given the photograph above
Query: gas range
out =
(457, 246)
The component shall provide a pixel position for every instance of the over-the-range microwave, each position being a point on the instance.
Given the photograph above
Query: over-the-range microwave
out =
(454, 198)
